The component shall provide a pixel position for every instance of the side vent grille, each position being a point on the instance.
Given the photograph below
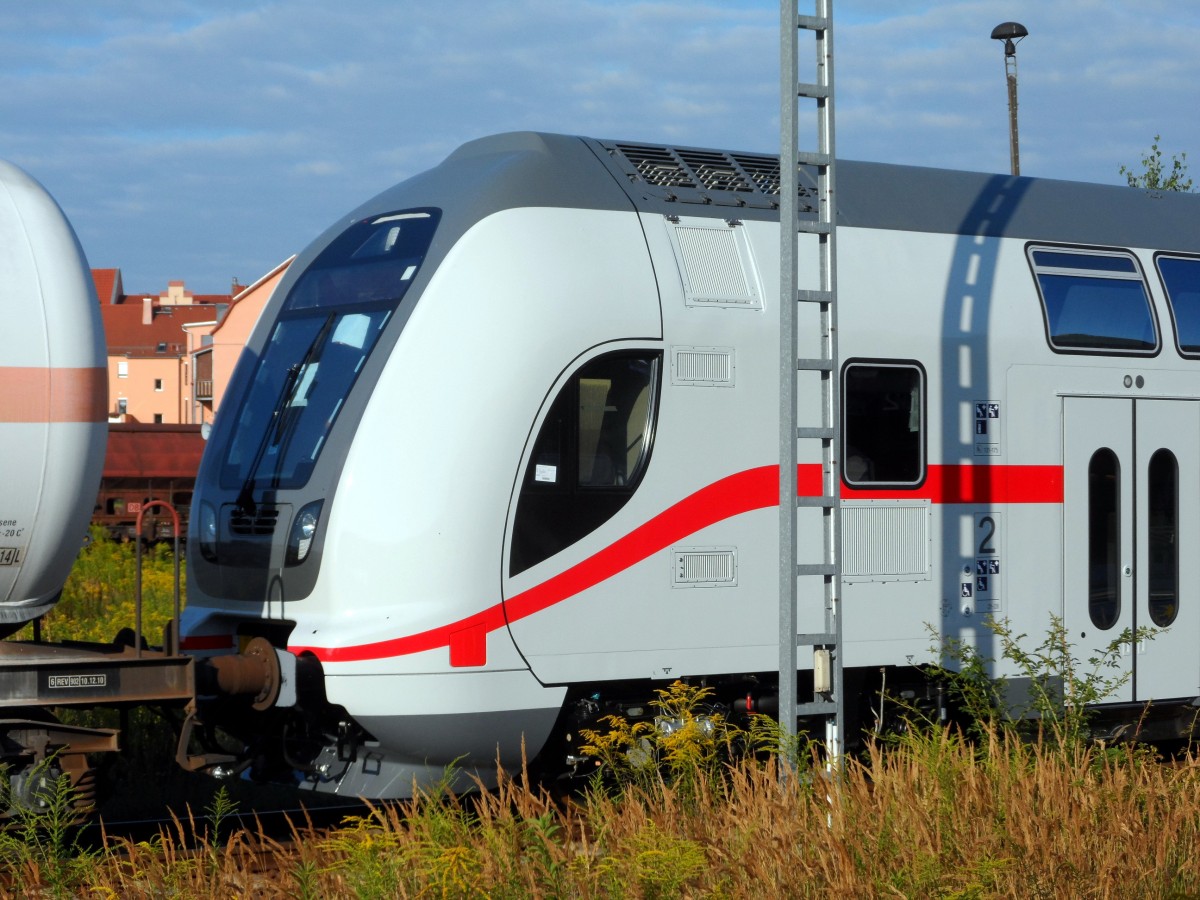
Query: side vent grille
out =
(885, 541)
(262, 523)
(702, 366)
(715, 264)
(705, 567)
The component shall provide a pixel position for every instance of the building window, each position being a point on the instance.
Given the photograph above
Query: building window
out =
(589, 455)
(1094, 301)
(158, 419)
(122, 368)
(883, 425)
(122, 406)
(158, 384)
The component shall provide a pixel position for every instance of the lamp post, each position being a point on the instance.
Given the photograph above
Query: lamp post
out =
(1011, 33)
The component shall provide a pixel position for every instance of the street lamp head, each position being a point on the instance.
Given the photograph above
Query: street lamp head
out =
(1011, 33)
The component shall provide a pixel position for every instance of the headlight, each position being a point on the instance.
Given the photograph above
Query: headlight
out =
(304, 530)
(208, 532)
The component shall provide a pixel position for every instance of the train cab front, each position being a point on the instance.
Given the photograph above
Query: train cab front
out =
(266, 486)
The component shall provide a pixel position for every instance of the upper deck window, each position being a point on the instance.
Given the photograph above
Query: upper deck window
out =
(1094, 301)
(1181, 278)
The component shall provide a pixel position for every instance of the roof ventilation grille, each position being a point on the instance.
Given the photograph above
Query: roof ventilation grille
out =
(711, 176)
(762, 170)
(658, 165)
(716, 171)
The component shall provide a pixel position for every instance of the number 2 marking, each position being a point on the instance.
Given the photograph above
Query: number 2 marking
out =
(985, 545)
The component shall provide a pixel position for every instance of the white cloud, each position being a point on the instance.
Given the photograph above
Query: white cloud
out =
(199, 140)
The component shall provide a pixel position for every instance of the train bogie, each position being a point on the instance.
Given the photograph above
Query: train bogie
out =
(539, 468)
(53, 397)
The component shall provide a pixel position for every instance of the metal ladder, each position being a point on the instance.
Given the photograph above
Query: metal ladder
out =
(815, 311)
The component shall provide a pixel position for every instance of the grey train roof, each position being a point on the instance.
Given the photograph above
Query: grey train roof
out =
(536, 169)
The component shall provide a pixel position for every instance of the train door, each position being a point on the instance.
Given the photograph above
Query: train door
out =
(1132, 502)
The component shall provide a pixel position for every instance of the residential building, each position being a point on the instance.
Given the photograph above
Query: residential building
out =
(170, 357)
(215, 345)
(148, 364)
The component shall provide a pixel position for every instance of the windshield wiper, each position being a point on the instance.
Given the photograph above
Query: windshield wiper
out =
(273, 433)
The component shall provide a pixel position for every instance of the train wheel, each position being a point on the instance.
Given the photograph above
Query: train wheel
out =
(46, 769)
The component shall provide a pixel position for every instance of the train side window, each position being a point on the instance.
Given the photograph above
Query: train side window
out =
(1104, 583)
(588, 457)
(883, 424)
(1094, 301)
(1163, 481)
(1181, 278)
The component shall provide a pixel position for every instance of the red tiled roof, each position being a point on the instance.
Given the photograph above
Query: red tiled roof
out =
(108, 285)
(153, 451)
(125, 333)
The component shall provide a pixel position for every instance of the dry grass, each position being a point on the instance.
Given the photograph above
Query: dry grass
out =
(930, 817)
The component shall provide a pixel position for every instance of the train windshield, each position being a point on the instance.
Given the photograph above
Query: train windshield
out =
(330, 322)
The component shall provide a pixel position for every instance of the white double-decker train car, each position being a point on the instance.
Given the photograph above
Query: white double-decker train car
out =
(502, 452)
(53, 398)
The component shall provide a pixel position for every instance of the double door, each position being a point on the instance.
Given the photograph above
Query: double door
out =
(1131, 540)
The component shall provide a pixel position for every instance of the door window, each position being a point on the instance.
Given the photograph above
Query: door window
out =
(1104, 584)
(589, 455)
(1163, 485)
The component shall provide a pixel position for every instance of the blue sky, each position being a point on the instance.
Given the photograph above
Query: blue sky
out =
(210, 139)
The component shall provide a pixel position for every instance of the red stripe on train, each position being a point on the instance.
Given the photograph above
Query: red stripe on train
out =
(740, 493)
(977, 484)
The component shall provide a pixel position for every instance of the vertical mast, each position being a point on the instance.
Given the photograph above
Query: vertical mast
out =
(812, 312)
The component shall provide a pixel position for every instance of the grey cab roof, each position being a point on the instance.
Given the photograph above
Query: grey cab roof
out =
(520, 169)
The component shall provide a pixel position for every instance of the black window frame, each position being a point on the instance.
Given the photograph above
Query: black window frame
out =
(551, 516)
(1103, 577)
(849, 435)
(1183, 350)
(1162, 548)
(1084, 251)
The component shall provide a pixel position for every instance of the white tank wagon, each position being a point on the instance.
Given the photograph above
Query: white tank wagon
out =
(53, 430)
(502, 454)
(53, 398)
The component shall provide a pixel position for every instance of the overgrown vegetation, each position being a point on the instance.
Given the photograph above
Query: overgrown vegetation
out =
(43, 846)
(1054, 692)
(931, 813)
(98, 598)
(692, 806)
